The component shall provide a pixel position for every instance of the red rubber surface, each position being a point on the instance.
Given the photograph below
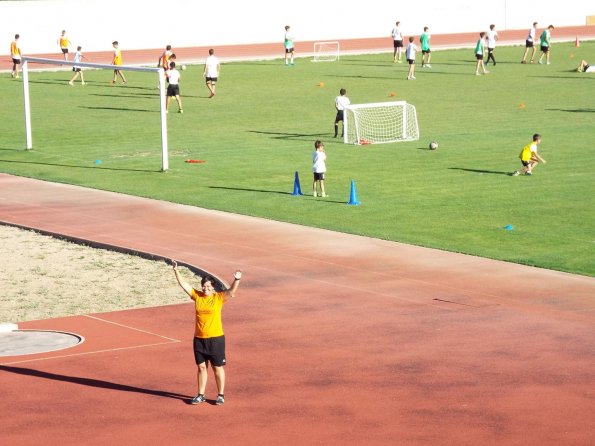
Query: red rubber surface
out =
(334, 340)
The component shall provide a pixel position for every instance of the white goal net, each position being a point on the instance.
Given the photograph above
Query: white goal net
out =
(158, 71)
(381, 122)
(326, 52)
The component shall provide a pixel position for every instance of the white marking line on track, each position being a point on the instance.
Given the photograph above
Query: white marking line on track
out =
(131, 328)
(89, 353)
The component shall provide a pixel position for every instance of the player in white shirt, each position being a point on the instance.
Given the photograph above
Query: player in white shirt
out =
(289, 46)
(529, 43)
(78, 71)
(319, 168)
(341, 102)
(584, 67)
(173, 87)
(211, 71)
(397, 42)
(491, 36)
(410, 53)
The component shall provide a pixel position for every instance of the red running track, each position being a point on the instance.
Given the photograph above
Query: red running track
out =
(334, 339)
(275, 50)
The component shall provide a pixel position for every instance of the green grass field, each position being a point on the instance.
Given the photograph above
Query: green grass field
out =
(261, 127)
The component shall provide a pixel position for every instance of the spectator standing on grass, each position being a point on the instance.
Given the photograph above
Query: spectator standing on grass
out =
(546, 44)
(15, 54)
(63, 42)
(319, 168)
(410, 56)
(211, 71)
(341, 102)
(289, 46)
(529, 156)
(426, 52)
(117, 60)
(479, 50)
(78, 71)
(492, 37)
(530, 43)
(209, 339)
(397, 42)
(173, 88)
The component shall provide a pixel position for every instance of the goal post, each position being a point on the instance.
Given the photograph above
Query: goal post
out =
(380, 122)
(326, 51)
(26, 60)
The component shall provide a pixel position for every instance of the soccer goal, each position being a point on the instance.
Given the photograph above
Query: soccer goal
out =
(326, 51)
(59, 62)
(379, 123)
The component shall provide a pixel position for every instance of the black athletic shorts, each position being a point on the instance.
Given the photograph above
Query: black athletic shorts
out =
(340, 115)
(16, 61)
(289, 50)
(544, 49)
(525, 163)
(479, 56)
(76, 69)
(528, 43)
(173, 90)
(64, 50)
(411, 61)
(210, 349)
(398, 44)
(318, 176)
(212, 80)
(428, 51)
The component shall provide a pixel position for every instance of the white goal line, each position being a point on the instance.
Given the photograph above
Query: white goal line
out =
(40, 60)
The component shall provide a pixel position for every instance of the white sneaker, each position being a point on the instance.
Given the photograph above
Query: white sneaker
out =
(428, 65)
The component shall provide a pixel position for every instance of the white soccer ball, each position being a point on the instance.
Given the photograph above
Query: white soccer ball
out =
(433, 145)
(183, 67)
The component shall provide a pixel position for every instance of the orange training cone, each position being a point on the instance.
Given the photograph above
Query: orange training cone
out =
(577, 43)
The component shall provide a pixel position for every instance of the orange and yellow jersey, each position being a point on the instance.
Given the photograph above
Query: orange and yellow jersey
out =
(165, 59)
(117, 57)
(63, 42)
(15, 51)
(208, 314)
(527, 152)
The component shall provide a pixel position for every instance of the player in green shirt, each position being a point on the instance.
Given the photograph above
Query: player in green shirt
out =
(546, 43)
(424, 40)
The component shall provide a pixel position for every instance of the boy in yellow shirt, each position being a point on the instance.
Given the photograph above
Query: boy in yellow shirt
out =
(15, 53)
(117, 60)
(529, 156)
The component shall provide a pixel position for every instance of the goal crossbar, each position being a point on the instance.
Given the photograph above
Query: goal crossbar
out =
(161, 73)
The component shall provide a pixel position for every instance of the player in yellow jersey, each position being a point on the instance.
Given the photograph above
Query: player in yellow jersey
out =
(529, 156)
(64, 43)
(117, 60)
(15, 53)
(209, 340)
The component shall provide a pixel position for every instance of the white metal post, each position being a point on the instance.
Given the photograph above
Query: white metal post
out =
(27, 105)
(164, 148)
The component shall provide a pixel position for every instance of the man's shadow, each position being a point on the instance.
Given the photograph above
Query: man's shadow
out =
(93, 383)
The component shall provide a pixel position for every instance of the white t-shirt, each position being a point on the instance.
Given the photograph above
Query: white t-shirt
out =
(319, 159)
(397, 35)
(591, 69)
(173, 76)
(288, 40)
(77, 58)
(531, 36)
(492, 36)
(341, 102)
(212, 64)
(411, 51)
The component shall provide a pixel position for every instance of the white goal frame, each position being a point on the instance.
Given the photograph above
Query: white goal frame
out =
(161, 73)
(402, 125)
(332, 55)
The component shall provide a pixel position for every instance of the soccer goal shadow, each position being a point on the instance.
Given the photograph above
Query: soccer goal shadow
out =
(74, 166)
(290, 136)
(480, 171)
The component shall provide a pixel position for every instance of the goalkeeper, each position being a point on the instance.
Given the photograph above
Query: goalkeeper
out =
(341, 102)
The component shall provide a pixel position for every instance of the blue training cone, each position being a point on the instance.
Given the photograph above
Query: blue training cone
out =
(353, 195)
(297, 190)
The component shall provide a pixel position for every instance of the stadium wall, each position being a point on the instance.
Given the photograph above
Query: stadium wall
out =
(94, 24)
